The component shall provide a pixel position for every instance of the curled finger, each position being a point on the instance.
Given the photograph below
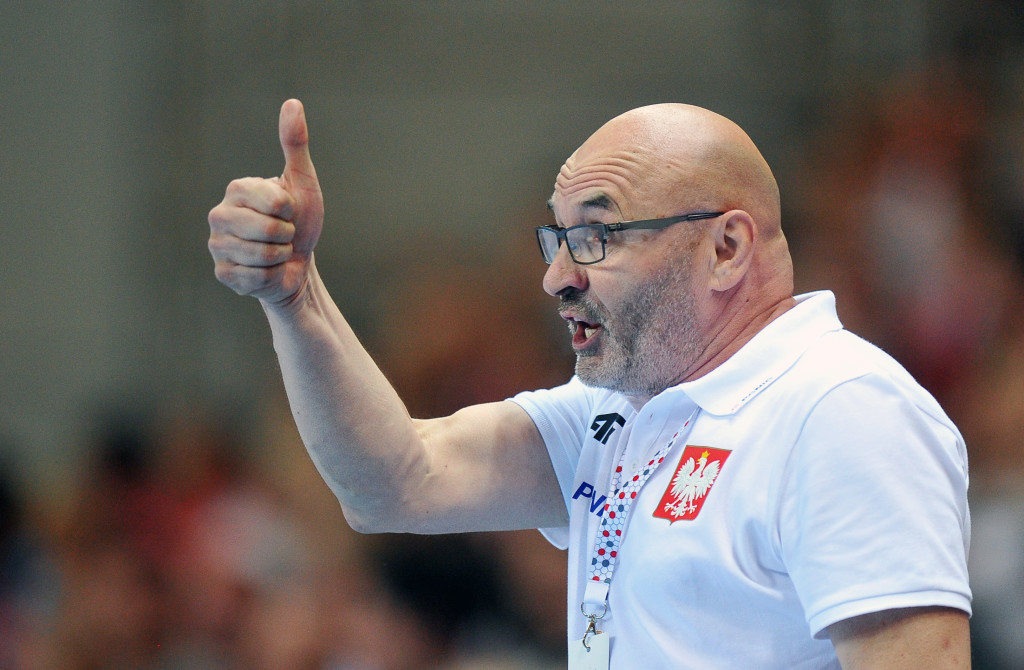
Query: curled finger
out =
(247, 252)
(258, 282)
(248, 224)
(267, 196)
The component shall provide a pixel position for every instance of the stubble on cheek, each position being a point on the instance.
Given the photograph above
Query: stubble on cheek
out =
(646, 345)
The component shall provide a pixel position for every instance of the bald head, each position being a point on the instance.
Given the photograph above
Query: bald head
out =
(687, 156)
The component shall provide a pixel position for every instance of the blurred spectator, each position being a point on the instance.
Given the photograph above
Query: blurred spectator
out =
(187, 548)
(27, 577)
(889, 215)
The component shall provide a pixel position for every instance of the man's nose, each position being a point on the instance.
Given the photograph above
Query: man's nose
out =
(564, 273)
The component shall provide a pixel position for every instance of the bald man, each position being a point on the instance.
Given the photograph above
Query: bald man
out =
(740, 482)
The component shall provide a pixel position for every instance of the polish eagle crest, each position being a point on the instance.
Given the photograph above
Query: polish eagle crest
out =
(698, 470)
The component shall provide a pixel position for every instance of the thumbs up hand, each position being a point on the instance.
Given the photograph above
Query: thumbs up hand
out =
(263, 233)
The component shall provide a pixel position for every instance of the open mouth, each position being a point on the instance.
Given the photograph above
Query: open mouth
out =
(583, 332)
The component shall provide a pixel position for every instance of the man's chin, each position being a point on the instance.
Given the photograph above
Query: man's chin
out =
(591, 374)
(596, 375)
(589, 371)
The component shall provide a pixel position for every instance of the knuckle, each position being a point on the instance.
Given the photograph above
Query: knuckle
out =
(279, 229)
(217, 243)
(224, 272)
(262, 281)
(245, 280)
(238, 186)
(265, 278)
(272, 253)
(281, 203)
(217, 216)
(222, 248)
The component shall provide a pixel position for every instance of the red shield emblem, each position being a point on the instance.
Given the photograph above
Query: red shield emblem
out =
(698, 469)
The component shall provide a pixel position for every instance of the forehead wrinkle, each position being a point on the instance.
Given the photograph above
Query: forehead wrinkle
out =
(615, 173)
(619, 161)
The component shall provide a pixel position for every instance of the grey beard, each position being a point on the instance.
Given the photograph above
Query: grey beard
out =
(648, 345)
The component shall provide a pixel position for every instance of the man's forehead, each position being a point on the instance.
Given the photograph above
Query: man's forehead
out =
(617, 167)
(602, 181)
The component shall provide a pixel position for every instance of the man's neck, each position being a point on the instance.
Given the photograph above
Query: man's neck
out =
(734, 332)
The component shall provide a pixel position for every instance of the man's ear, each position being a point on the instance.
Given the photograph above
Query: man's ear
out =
(734, 236)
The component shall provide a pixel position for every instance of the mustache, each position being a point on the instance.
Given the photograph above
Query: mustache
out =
(574, 301)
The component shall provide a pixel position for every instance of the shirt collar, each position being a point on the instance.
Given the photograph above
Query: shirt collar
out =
(766, 356)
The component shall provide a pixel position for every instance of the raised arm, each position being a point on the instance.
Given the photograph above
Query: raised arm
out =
(482, 468)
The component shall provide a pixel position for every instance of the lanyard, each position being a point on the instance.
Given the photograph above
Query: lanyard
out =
(612, 529)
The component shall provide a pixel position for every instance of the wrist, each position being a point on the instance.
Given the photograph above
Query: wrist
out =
(301, 298)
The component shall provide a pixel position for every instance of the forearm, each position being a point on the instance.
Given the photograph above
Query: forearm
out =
(355, 427)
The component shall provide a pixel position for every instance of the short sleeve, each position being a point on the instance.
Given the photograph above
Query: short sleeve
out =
(873, 512)
(561, 416)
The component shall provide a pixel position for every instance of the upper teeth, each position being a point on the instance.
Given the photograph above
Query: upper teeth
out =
(576, 325)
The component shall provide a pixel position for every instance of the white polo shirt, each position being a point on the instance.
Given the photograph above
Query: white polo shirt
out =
(817, 481)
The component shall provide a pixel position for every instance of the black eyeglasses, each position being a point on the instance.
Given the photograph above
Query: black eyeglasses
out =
(586, 242)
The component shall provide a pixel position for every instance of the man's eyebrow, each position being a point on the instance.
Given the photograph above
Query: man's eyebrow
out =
(597, 202)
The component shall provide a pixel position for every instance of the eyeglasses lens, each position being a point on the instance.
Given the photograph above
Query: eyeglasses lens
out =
(585, 243)
(548, 241)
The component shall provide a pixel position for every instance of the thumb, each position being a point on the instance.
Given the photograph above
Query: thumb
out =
(298, 166)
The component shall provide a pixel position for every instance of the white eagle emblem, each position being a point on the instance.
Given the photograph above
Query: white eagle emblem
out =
(691, 483)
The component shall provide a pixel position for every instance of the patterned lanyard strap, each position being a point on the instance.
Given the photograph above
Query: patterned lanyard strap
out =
(611, 530)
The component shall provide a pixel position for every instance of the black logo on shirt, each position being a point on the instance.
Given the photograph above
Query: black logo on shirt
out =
(604, 426)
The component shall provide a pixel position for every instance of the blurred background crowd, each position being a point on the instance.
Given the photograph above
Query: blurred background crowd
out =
(157, 509)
